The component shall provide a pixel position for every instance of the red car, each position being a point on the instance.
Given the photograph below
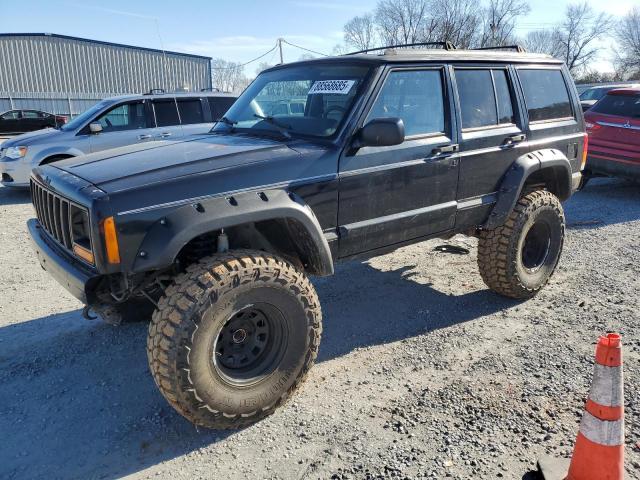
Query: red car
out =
(613, 125)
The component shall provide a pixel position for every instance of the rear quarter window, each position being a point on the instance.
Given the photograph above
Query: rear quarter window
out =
(219, 106)
(546, 94)
(190, 111)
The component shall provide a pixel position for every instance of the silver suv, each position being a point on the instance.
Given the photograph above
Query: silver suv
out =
(114, 122)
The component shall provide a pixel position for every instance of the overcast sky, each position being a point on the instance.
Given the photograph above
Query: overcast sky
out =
(237, 30)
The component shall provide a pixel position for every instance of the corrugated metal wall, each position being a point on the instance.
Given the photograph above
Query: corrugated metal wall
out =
(46, 65)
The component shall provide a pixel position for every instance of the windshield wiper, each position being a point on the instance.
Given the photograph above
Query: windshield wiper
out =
(284, 129)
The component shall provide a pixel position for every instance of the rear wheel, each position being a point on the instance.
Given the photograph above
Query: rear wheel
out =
(234, 337)
(517, 258)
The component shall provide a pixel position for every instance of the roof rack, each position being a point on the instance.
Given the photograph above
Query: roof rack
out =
(443, 45)
(515, 48)
(210, 89)
(155, 91)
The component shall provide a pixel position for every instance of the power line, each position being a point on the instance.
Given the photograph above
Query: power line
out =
(305, 49)
(247, 63)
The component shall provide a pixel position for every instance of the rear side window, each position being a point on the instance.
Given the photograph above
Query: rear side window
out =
(621, 105)
(485, 98)
(219, 106)
(414, 96)
(190, 111)
(166, 113)
(546, 94)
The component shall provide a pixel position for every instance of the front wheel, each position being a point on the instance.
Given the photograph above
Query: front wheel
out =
(234, 337)
(517, 258)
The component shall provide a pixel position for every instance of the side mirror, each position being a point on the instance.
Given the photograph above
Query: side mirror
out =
(95, 127)
(381, 132)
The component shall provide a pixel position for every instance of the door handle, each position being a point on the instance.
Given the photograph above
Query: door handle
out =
(164, 135)
(446, 149)
(144, 137)
(513, 139)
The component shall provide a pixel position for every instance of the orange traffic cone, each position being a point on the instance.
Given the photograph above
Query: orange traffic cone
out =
(599, 450)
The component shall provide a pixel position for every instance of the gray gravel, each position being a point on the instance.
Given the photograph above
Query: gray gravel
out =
(423, 372)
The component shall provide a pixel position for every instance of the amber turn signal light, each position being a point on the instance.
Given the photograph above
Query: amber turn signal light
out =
(83, 253)
(111, 240)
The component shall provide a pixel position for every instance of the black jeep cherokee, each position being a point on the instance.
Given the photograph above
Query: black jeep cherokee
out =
(317, 161)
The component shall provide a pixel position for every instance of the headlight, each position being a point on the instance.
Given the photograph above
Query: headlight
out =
(14, 153)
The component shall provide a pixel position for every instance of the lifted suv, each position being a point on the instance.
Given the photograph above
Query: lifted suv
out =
(214, 237)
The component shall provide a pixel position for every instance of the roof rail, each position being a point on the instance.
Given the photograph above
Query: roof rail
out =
(515, 48)
(443, 45)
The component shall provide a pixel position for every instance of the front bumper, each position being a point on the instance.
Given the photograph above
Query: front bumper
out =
(15, 173)
(69, 273)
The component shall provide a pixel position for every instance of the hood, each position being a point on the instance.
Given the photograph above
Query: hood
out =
(32, 138)
(161, 161)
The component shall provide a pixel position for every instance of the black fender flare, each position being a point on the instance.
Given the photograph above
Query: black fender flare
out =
(516, 177)
(172, 231)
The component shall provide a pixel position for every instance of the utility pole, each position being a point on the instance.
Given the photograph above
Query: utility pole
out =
(280, 48)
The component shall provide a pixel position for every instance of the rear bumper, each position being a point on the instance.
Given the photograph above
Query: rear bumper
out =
(613, 166)
(64, 269)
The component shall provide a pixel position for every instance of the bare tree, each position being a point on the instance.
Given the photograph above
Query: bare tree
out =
(228, 76)
(627, 34)
(456, 21)
(400, 21)
(543, 41)
(500, 19)
(579, 33)
(360, 32)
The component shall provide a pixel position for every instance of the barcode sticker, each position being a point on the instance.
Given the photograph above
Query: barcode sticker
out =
(340, 87)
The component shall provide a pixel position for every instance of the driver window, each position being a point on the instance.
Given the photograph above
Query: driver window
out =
(415, 97)
(130, 116)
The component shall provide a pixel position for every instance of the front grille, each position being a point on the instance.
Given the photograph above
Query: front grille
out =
(65, 221)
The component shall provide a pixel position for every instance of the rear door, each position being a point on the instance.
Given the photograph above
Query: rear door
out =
(31, 120)
(491, 136)
(165, 111)
(124, 124)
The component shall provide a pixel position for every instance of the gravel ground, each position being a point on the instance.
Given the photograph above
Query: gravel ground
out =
(423, 372)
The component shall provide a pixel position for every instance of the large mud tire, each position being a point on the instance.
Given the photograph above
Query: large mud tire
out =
(233, 337)
(518, 258)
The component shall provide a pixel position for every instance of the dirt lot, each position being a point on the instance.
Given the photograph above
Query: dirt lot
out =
(423, 372)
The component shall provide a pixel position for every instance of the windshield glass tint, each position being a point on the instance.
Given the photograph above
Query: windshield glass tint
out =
(310, 100)
(622, 105)
(84, 117)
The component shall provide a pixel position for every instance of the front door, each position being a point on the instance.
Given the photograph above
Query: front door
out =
(124, 124)
(491, 137)
(389, 195)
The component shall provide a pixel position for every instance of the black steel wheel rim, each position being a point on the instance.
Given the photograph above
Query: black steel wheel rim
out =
(250, 345)
(536, 246)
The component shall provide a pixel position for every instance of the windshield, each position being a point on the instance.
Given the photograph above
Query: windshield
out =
(309, 100)
(594, 93)
(85, 116)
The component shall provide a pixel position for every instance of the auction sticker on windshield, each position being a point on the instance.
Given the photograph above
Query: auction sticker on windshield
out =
(341, 87)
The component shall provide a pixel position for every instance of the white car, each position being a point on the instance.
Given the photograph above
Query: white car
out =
(113, 122)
